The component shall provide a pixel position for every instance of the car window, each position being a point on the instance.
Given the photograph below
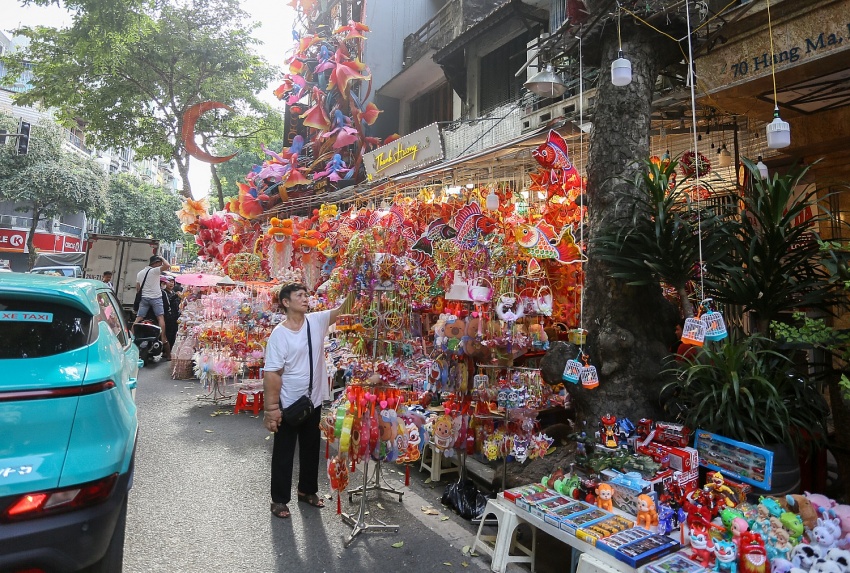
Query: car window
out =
(37, 328)
(110, 314)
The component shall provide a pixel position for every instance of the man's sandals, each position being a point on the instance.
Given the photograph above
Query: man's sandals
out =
(311, 499)
(280, 510)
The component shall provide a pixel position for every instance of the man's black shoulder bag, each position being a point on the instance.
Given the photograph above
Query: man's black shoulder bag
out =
(138, 299)
(296, 413)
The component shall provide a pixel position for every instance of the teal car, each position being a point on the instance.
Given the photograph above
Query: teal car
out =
(68, 424)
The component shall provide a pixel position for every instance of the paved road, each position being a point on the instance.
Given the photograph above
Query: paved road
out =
(200, 502)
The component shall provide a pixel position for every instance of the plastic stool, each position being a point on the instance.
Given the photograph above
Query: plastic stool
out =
(255, 404)
(588, 564)
(433, 461)
(499, 546)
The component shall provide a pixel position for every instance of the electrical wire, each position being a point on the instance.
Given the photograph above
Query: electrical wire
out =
(772, 57)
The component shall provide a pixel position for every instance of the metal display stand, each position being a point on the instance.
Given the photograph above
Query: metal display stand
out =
(358, 521)
(375, 484)
(378, 483)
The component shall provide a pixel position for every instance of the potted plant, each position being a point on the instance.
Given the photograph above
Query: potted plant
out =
(745, 389)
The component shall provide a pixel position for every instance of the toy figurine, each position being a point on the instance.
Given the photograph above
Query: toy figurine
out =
(752, 556)
(647, 516)
(793, 524)
(701, 544)
(608, 431)
(605, 495)
(726, 557)
(722, 493)
(739, 526)
(781, 546)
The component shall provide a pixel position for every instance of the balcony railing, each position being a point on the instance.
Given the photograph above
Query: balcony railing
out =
(445, 26)
(19, 222)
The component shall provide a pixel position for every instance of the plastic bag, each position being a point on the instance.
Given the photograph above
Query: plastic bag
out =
(464, 497)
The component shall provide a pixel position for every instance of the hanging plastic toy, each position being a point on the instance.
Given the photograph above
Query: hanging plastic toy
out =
(715, 327)
(589, 376)
(572, 371)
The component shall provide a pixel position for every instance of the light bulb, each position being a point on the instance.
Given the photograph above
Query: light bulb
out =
(762, 168)
(524, 194)
(778, 132)
(621, 70)
(492, 201)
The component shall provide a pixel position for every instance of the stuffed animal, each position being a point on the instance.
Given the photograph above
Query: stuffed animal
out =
(803, 556)
(802, 506)
(826, 566)
(827, 532)
(840, 556)
(820, 502)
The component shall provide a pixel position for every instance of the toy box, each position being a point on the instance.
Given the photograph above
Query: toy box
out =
(604, 528)
(645, 550)
(527, 501)
(676, 563)
(627, 488)
(554, 517)
(540, 509)
(684, 459)
(573, 522)
(738, 460)
(517, 492)
(610, 544)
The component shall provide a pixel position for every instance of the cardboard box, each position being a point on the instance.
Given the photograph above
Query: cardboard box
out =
(604, 528)
(572, 523)
(514, 493)
(554, 517)
(626, 491)
(684, 459)
(526, 502)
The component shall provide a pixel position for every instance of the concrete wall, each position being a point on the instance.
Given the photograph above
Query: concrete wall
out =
(391, 21)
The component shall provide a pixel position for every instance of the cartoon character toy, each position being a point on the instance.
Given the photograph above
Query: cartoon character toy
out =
(647, 516)
(701, 544)
(726, 555)
(752, 556)
(605, 496)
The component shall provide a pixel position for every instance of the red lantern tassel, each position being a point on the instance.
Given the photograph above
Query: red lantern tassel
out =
(407, 474)
(338, 504)
(327, 449)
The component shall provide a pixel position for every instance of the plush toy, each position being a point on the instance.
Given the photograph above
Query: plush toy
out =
(841, 557)
(820, 502)
(802, 506)
(803, 556)
(827, 532)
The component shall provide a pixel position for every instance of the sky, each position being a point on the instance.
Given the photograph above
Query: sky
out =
(274, 33)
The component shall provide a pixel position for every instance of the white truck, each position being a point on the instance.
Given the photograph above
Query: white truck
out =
(124, 256)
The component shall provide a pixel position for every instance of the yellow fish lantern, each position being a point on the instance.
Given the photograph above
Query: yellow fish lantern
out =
(540, 241)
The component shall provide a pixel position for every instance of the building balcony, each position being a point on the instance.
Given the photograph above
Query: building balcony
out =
(445, 26)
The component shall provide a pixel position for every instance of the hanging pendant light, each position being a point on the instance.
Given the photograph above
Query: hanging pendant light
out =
(724, 157)
(546, 83)
(491, 203)
(621, 68)
(762, 169)
(778, 131)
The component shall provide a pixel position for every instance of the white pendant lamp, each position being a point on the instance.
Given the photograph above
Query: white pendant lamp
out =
(762, 168)
(546, 83)
(621, 68)
(724, 157)
(491, 203)
(778, 131)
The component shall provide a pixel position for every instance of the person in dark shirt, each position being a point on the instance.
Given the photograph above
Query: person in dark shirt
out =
(173, 310)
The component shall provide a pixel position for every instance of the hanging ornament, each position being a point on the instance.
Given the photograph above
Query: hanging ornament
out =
(572, 371)
(589, 376)
(693, 332)
(715, 327)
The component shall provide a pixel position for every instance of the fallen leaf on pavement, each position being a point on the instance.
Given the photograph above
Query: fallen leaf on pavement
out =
(444, 518)
(466, 549)
(447, 564)
(399, 544)
(268, 437)
(380, 506)
(208, 431)
(428, 480)
(429, 511)
(464, 564)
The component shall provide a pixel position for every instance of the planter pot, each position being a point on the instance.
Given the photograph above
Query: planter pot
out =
(786, 472)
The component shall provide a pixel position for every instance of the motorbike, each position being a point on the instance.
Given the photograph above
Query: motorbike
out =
(147, 336)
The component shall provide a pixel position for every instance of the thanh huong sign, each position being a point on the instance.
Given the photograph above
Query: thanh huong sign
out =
(416, 149)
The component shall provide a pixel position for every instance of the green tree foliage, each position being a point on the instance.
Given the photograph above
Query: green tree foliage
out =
(139, 209)
(49, 181)
(132, 74)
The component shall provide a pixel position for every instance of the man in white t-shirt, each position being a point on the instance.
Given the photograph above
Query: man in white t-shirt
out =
(147, 280)
(286, 378)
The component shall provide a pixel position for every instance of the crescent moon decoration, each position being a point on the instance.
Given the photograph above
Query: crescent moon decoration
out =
(190, 117)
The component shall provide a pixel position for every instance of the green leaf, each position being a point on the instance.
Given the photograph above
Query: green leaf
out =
(398, 545)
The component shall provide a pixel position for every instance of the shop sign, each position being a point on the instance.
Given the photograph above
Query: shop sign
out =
(417, 149)
(11, 240)
(822, 31)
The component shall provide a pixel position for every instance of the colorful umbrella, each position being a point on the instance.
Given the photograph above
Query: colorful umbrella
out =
(199, 280)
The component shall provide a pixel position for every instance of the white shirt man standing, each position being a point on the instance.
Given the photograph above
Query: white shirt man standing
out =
(147, 281)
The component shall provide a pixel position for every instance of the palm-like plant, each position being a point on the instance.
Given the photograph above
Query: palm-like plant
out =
(658, 237)
(776, 262)
(746, 390)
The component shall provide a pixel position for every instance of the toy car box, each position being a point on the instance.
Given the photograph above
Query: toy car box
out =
(676, 563)
(644, 550)
(612, 543)
(604, 528)
(572, 523)
(527, 501)
(554, 516)
(540, 509)
(517, 492)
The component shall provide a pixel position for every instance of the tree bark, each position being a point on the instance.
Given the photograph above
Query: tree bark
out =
(629, 325)
(217, 182)
(36, 215)
(183, 169)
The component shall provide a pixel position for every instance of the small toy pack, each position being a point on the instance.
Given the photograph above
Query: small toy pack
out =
(572, 523)
(515, 493)
(677, 563)
(540, 509)
(644, 550)
(610, 544)
(554, 516)
(526, 502)
(604, 528)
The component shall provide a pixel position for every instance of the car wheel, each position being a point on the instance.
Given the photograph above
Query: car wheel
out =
(113, 559)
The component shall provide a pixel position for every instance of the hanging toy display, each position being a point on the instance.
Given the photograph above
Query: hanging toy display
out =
(693, 332)
(589, 376)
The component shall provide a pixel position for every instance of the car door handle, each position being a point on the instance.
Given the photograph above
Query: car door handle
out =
(132, 383)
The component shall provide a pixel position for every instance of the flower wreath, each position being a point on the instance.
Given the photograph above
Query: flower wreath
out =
(690, 161)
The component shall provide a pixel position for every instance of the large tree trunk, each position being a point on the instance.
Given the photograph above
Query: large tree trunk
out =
(628, 325)
(183, 168)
